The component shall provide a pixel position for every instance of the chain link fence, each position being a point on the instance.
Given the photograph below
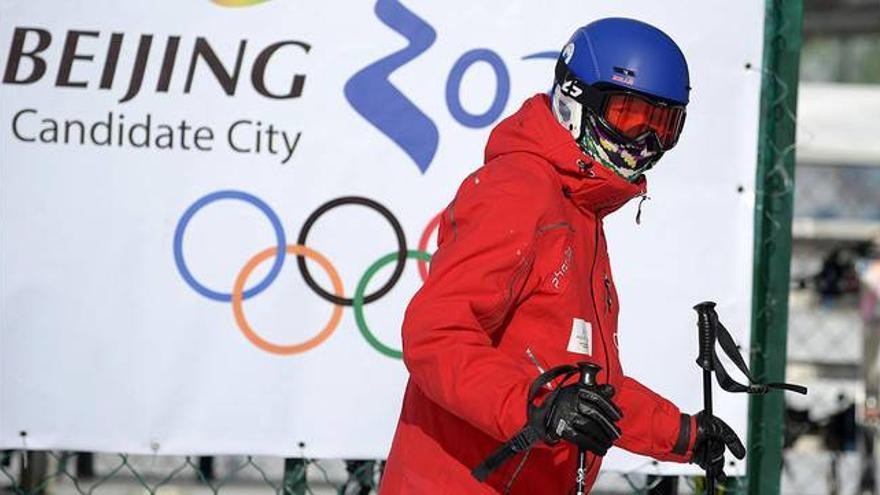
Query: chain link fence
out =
(78, 473)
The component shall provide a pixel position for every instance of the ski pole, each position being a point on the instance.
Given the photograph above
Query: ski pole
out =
(704, 361)
(711, 330)
(588, 378)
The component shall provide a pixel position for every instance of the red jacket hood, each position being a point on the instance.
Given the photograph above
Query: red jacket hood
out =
(533, 129)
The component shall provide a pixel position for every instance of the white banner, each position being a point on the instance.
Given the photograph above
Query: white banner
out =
(154, 154)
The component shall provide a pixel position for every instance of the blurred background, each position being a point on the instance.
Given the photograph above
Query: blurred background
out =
(834, 319)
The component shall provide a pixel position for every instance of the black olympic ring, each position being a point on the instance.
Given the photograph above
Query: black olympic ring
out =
(373, 205)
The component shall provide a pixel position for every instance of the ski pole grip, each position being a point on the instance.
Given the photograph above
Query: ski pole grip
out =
(588, 371)
(706, 317)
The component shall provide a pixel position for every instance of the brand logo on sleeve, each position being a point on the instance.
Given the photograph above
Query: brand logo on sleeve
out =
(559, 274)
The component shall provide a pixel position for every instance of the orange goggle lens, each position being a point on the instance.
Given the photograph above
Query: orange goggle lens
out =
(633, 117)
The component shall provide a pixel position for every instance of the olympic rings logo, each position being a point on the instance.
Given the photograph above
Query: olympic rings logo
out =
(279, 253)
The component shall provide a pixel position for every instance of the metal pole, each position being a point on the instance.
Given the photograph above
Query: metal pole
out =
(294, 481)
(588, 379)
(871, 411)
(206, 469)
(663, 485)
(706, 337)
(773, 211)
(582, 471)
(707, 409)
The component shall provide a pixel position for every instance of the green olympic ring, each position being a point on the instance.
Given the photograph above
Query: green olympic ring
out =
(358, 300)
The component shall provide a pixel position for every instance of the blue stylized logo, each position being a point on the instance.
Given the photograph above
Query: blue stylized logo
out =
(384, 106)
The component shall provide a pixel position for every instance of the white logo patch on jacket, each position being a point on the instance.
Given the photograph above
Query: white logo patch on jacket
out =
(581, 339)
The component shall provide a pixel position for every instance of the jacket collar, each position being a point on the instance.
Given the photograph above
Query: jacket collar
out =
(590, 185)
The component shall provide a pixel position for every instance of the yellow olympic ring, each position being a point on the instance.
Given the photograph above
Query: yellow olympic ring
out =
(244, 326)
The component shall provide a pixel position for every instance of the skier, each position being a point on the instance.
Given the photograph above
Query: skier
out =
(521, 283)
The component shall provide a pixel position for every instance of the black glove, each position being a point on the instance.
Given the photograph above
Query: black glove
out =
(713, 435)
(582, 415)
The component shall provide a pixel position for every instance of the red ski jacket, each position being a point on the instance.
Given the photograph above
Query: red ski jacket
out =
(520, 281)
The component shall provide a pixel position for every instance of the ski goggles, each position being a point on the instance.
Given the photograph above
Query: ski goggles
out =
(630, 115)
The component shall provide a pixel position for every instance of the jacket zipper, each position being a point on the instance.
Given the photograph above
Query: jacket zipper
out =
(593, 295)
(608, 300)
(589, 466)
(541, 369)
(542, 230)
(534, 360)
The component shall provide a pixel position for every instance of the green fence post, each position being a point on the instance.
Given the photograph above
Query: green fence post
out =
(294, 482)
(773, 214)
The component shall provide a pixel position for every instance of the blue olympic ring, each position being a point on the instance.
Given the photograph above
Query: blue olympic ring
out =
(217, 196)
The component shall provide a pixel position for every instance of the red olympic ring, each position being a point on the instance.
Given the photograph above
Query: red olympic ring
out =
(423, 244)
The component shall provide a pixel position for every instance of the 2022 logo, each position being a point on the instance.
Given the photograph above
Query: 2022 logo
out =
(383, 105)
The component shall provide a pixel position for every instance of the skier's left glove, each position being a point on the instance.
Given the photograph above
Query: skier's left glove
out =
(713, 435)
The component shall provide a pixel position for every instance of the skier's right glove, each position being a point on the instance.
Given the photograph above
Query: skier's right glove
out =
(582, 415)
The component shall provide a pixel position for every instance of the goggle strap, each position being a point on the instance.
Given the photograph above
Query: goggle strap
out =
(573, 88)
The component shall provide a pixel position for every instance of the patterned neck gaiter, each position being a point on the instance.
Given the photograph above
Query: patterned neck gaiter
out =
(626, 160)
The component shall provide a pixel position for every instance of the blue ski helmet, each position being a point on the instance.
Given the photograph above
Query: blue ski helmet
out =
(630, 54)
(626, 83)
